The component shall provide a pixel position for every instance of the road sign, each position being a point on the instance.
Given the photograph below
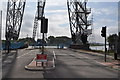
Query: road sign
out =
(41, 57)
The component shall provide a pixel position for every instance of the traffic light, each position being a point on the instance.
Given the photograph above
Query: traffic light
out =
(44, 25)
(103, 32)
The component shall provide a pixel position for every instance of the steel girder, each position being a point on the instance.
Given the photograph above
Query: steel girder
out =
(78, 19)
(15, 11)
(39, 14)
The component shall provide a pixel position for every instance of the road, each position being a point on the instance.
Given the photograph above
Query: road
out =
(69, 64)
(13, 65)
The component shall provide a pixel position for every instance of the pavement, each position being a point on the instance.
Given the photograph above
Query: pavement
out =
(110, 62)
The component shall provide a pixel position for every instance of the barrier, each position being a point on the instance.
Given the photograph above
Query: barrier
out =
(41, 58)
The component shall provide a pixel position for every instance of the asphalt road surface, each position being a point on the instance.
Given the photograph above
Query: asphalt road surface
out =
(69, 64)
(13, 65)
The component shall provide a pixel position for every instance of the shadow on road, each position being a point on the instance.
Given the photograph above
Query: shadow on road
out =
(8, 61)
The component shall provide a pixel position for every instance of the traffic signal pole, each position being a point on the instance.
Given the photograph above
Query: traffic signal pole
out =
(44, 25)
(103, 34)
(105, 48)
(43, 44)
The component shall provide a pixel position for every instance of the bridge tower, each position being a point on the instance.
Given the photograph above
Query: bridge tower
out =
(15, 11)
(79, 23)
(38, 16)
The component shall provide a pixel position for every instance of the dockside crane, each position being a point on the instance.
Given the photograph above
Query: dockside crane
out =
(78, 19)
(14, 17)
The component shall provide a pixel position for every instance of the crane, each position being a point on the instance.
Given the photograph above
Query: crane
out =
(78, 19)
(15, 11)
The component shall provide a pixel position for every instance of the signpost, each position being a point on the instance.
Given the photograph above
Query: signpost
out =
(44, 26)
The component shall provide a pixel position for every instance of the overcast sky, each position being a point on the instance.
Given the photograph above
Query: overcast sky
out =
(104, 14)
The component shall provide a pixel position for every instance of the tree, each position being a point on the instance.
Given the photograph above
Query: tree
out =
(112, 40)
(59, 40)
(51, 39)
(28, 40)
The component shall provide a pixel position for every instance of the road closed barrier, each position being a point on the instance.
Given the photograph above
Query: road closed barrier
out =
(41, 57)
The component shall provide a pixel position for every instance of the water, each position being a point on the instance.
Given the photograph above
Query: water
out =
(98, 47)
(91, 47)
(48, 47)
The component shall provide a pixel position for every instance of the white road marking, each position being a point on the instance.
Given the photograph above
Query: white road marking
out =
(71, 54)
(54, 54)
(7, 61)
(54, 58)
(23, 54)
(61, 54)
(53, 62)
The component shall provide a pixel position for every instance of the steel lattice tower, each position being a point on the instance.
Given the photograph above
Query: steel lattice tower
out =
(38, 16)
(15, 11)
(78, 19)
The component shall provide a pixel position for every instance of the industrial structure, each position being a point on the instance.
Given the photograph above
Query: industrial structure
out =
(78, 19)
(14, 17)
(41, 63)
(15, 11)
(79, 23)
(38, 16)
